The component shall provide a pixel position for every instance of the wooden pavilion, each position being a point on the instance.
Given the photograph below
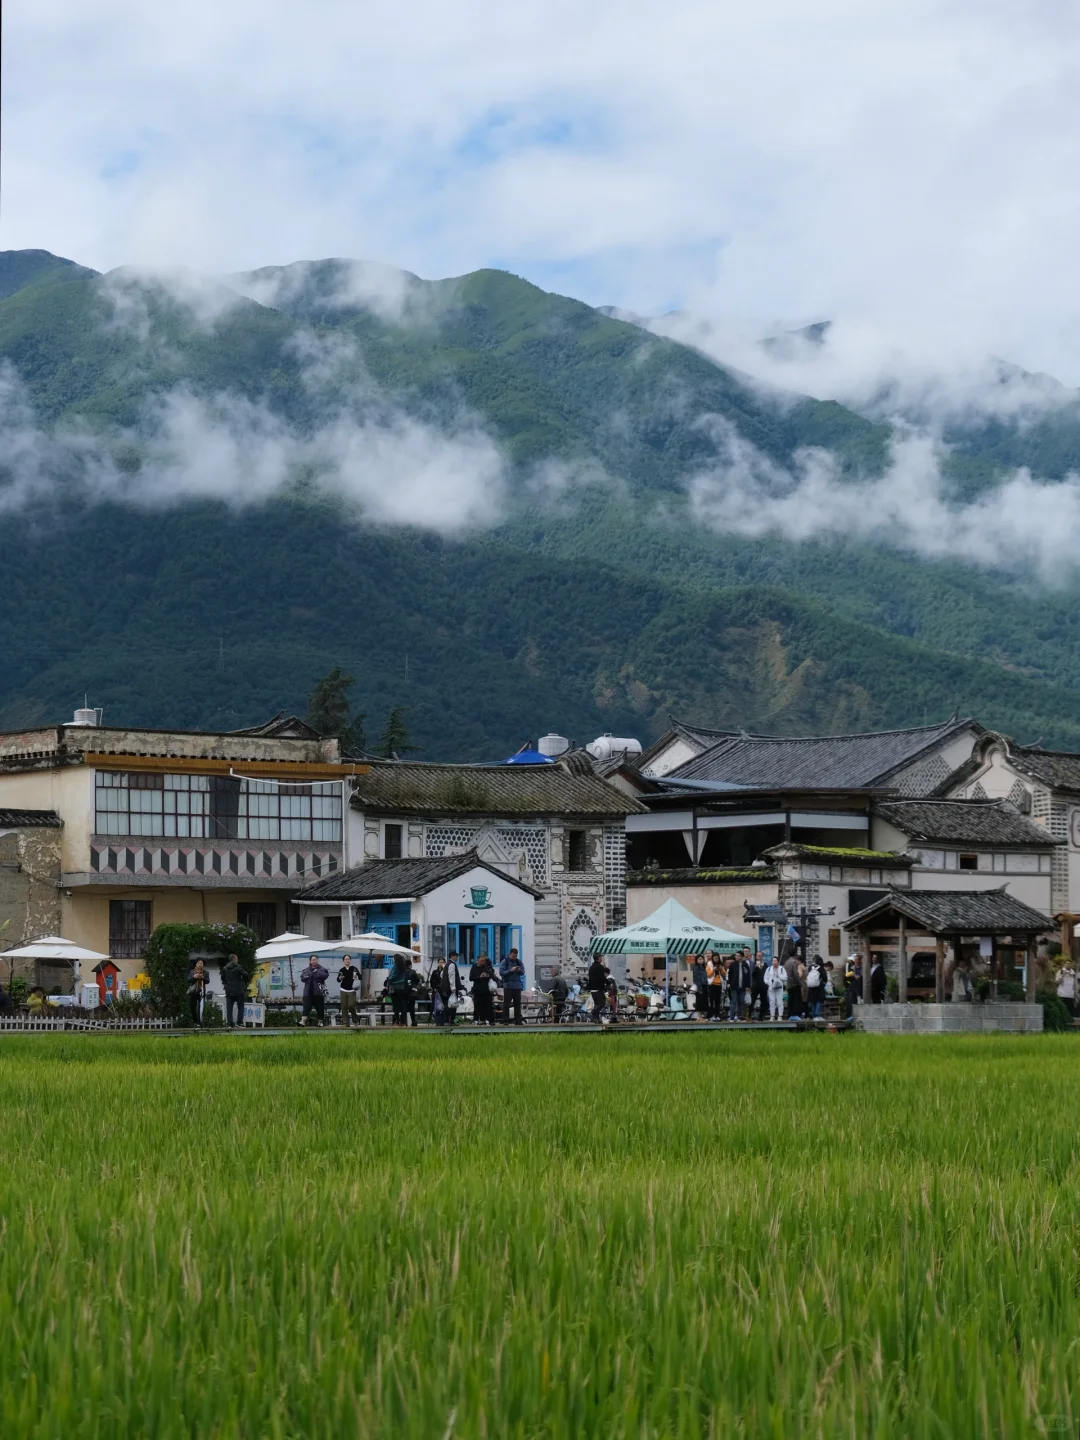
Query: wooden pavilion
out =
(939, 919)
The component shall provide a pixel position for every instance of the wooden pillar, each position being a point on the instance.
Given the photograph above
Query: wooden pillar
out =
(939, 971)
(901, 967)
(1029, 971)
(993, 967)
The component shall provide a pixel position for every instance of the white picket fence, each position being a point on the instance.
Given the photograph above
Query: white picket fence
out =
(34, 1022)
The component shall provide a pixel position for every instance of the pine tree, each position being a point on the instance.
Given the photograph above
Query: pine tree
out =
(328, 711)
(395, 738)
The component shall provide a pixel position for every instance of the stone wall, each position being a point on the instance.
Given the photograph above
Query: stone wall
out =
(950, 1018)
(29, 888)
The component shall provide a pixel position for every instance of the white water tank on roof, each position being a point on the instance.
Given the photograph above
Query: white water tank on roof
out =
(607, 747)
(87, 715)
(553, 744)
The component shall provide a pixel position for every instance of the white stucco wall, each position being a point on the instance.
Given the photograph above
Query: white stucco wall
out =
(70, 792)
(675, 754)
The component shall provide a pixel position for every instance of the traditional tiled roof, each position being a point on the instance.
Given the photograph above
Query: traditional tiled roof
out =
(697, 735)
(1056, 769)
(822, 761)
(851, 855)
(281, 725)
(964, 822)
(400, 879)
(395, 787)
(688, 875)
(26, 819)
(957, 912)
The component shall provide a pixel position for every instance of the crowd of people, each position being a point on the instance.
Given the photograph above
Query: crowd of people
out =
(743, 987)
(746, 987)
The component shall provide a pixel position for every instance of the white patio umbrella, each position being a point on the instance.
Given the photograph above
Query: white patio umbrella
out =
(282, 946)
(377, 945)
(285, 946)
(52, 947)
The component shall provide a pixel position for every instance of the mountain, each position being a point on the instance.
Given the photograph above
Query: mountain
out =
(208, 504)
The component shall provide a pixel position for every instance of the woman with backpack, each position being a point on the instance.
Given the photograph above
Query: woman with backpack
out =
(815, 987)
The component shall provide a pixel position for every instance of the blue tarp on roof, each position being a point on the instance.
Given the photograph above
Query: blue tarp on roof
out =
(529, 757)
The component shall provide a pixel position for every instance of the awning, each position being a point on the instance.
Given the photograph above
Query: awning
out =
(51, 947)
(671, 930)
(282, 946)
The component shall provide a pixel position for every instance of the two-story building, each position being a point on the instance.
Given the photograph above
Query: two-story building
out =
(556, 829)
(154, 826)
(1042, 784)
(822, 823)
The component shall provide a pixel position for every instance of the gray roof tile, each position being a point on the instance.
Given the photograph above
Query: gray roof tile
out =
(816, 761)
(404, 786)
(964, 822)
(25, 819)
(963, 912)
(400, 879)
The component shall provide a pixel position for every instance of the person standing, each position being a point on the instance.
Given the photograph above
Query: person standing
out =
(961, 981)
(313, 977)
(348, 979)
(397, 985)
(559, 992)
(512, 974)
(815, 987)
(597, 983)
(612, 997)
(738, 979)
(1066, 986)
(700, 979)
(794, 987)
(482, 980)
(235, 981)
(412, 989)
(759, 999)
(850, 992)
(455, 988)
(775, 980)
(715, 974)
(877, 982)
(439, 983)
(196, 986)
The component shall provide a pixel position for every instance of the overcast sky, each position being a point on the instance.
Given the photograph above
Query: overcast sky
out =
(907, 167)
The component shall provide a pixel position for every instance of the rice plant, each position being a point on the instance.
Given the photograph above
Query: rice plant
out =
(641, 1235)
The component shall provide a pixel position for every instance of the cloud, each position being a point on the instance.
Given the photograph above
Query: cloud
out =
(392, 294)
(903, 167)
(1016, 527)
(396, 469)
(869, 371)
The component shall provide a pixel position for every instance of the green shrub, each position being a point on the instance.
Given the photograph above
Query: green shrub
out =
(1011, 990)
(212, 1017)
(1055, 1014)
(19, 989)
(168, 959)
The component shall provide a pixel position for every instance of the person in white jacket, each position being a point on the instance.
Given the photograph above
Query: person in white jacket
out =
(775, 980)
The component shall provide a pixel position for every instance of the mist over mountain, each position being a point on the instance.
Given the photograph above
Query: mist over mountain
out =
(215, 488)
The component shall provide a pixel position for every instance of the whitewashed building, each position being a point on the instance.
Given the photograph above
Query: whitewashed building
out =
(557, 829)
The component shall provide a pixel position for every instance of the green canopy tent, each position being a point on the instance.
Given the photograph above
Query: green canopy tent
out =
(673, 930)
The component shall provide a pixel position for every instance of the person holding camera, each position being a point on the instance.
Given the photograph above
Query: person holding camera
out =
(512, 974)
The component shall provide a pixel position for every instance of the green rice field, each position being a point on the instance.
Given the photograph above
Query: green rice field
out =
(540, 1236)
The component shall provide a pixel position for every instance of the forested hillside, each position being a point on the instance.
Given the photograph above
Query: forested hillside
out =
(208, 505)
